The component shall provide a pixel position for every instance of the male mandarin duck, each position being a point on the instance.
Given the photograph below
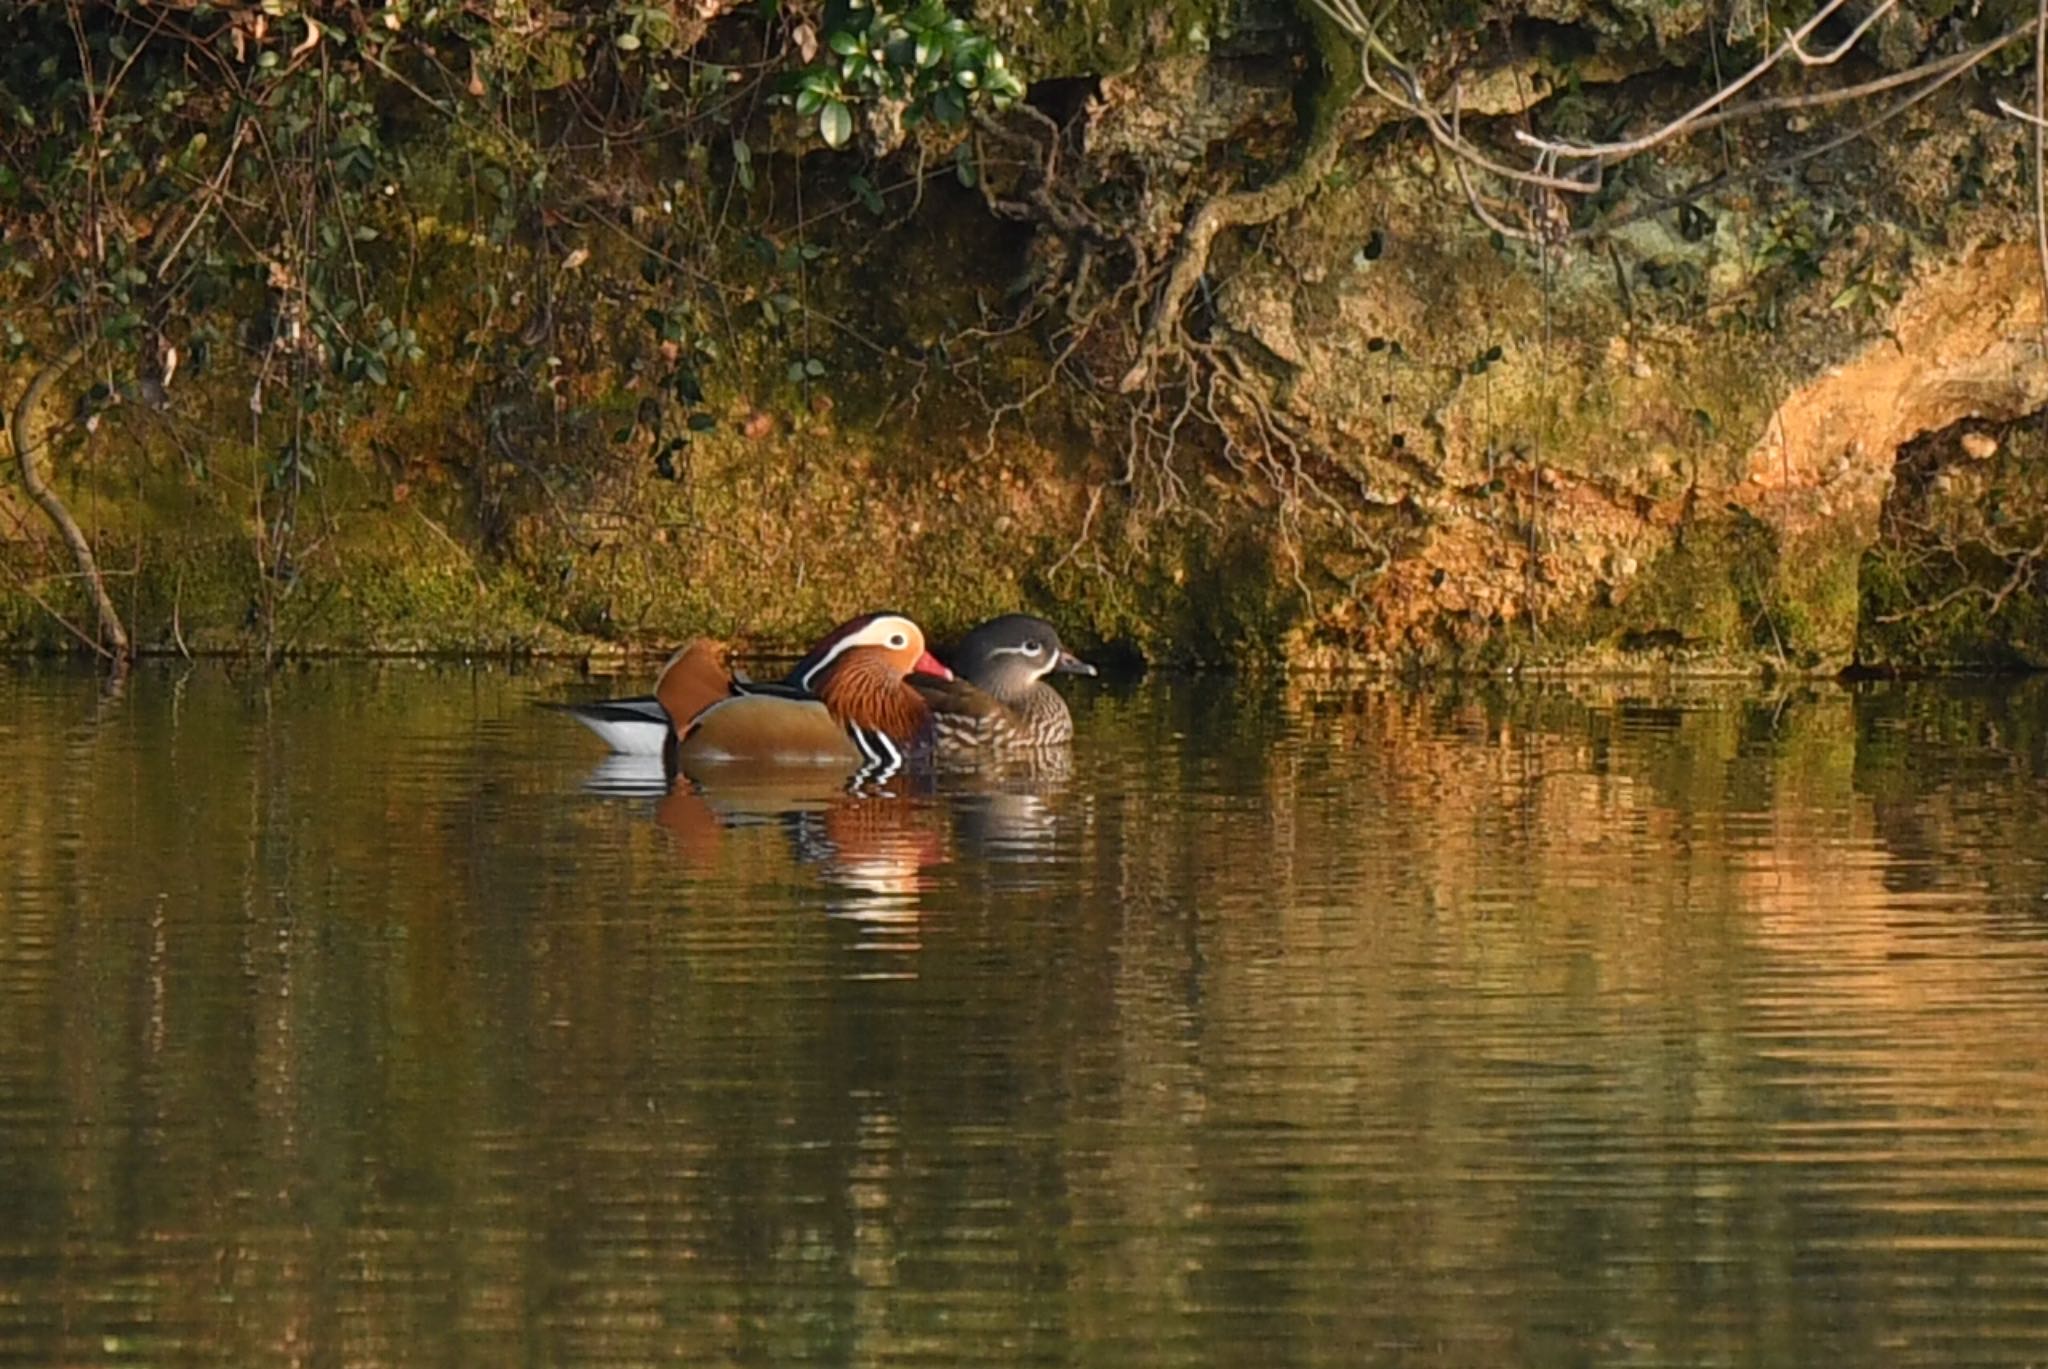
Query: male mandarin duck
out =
(997, 699)
(847, 703)
(698, 675)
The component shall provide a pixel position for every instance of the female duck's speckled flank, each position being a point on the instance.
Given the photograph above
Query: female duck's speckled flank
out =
(999, 699)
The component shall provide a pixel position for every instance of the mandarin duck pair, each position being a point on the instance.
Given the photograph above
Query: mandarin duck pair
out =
(869, 697)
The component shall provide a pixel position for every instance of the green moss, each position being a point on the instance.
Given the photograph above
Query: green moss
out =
(1213, 594)
(1732, 591)
(1102, 37)
(1816, 598)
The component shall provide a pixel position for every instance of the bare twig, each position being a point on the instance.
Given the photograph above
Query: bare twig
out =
(1576, 168)
(1688, 122)
(1087, 526)
(113, 642)
(462, 553)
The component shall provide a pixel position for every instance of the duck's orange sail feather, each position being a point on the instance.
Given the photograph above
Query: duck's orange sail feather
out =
(694, 679)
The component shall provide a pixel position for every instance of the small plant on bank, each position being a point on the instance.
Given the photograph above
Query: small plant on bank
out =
(922, 58)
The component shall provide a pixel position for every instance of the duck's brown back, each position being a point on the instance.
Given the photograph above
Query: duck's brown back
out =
(767, 729)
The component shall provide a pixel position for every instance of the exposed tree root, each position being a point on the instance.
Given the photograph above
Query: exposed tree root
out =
(1238, 209)
(113, 637)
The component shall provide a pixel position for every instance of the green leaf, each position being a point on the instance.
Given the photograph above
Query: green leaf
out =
(864, 191)
(809, 101)
(813, 367)
(835, 122)
(628, 41)
(843, 42)
(965, 166)
(948, 106)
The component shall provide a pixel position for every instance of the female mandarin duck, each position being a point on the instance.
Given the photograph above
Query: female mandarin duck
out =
(847, 703)
(1000, 700)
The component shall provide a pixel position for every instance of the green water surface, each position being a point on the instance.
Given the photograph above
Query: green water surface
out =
(351, 1015)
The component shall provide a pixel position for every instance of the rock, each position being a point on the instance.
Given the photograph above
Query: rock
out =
(1979, 446)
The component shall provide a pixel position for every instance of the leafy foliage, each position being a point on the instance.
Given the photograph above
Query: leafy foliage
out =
(921, 57)
(290, 196)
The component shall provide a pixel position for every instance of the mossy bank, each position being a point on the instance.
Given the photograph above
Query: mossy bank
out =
(1201, 347)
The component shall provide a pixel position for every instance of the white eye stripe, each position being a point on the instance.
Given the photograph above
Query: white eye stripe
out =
(838, 649)
(869, 635)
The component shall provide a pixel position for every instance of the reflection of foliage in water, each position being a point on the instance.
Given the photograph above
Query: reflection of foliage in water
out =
(331, 1012)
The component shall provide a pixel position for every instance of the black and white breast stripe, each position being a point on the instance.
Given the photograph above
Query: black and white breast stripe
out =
(884, 758)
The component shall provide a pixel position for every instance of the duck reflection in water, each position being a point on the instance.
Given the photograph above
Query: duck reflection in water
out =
(876, 848)
(882, 845)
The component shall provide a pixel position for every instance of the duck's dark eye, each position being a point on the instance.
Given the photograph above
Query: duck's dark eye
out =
(896, 641)
(1034, 647)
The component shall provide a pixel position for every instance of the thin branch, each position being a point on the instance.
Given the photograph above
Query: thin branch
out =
(1688, 121)
(2041, 148)
(1578, 168)
(114, 637)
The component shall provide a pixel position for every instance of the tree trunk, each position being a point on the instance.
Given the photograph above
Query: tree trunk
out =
(113, 636)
